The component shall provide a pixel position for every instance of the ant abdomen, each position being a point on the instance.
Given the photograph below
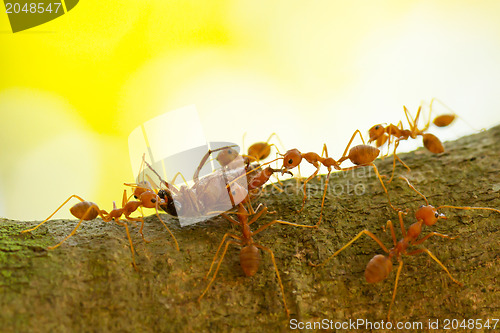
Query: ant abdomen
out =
(85, 210)
(432, 143)
(444, 120)
(259, 150)
(250, 259)
(363, 154)
(378, 269)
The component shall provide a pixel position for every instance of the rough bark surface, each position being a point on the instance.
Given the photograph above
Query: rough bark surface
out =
(88, 284)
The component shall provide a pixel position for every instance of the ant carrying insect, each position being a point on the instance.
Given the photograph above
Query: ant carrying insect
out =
(87, 211)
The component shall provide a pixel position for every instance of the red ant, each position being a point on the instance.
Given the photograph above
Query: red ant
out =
(381, 134)
(379, 267)
(261, 150)
(249, 255)
(87, 211)
(360, 155)
(256, 152)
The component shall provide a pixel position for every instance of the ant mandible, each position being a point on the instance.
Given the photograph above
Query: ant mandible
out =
(249, 255)
(379, 267)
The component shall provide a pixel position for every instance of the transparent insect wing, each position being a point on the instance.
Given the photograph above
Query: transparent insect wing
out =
(197, 182)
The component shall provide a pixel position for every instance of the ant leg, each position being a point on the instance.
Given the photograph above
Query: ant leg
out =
(469, 208)
(138, 219)
(265, 226)
(170, 232)
(324, 151)
(379, 178)
(366, 232)
(420, 241)
(230, 219)
(218, 250)
(177, 175)
(396, 145)
(318, 166)
(436, 260)
(76, 228)
(393, 234)
(124, 224)
(324, 196)
(258, 215)
(344, 156)
(71, 234)
(278, 138)
(204, 160)
(430, 115)
(417, 119)
(218, 266)
(401, 224)
(414, 189)
(277, 275)
(400, 267)
(409, 118)
(383, 186)
(275, 186)
(48, 218)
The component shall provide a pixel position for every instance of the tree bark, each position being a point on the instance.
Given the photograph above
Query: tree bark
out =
(89, 284)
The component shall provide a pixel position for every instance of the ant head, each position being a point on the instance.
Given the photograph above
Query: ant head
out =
(226, 156)
(428, 214)
(291, 159)
(375, 132)
(149, 198)
(140, 188)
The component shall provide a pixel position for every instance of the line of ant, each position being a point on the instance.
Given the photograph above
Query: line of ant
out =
(360, 155)
(393, 134)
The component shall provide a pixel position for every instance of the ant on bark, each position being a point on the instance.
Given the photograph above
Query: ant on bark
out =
(256, 152)
(379, 267)
(87, 211)
(250, 256)
(360, 155)
(381, 134)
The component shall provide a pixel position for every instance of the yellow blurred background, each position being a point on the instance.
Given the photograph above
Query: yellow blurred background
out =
(72, 90)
